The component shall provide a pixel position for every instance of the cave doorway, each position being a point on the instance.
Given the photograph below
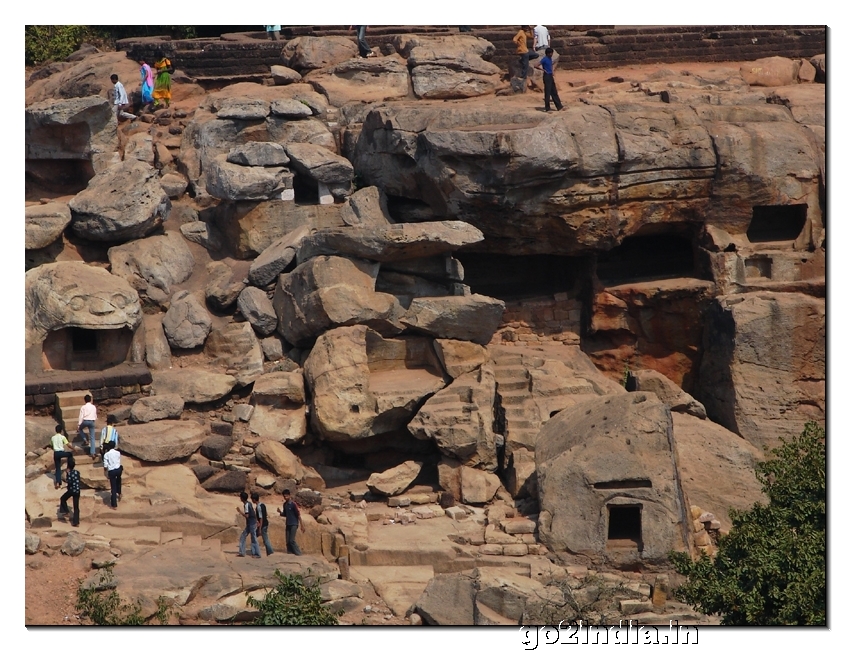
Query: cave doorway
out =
(516, 277)
(647, 257)
(776, 223)
(624, 526)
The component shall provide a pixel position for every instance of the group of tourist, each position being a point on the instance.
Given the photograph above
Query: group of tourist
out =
(156, 88)
(543, 51)
(257, 523)
(110, 456)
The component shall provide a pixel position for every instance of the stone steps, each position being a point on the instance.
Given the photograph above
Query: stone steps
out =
(67, 409)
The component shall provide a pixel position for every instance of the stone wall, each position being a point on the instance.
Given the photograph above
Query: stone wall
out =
(534, 320)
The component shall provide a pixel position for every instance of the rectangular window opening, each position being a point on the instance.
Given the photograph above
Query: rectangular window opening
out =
(83, 340)
(623, 485)
(777, 222)
(624, 527)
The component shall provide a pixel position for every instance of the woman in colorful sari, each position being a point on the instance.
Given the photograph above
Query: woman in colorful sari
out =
(147, 83)
(162, 86)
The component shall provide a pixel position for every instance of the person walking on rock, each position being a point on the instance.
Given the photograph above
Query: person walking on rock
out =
(162, 85)
(109, 433)
(262, 521)
(293, 522)
(362, 45)
(88, 416)
(114, 470)
(120, 100)
(549, 90)
(247, 511)
(147, 83)
(73, 479)
(61, 449)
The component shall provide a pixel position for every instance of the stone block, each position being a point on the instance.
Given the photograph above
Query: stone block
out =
(515, 550)
(457, 513)
(490, 549)
(629, 607)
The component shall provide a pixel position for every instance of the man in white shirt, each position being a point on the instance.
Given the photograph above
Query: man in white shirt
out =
(120, 100)
(541, 39)
(114, 470)
(88, 415)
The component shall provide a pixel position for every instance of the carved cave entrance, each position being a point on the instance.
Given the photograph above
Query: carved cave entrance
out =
(647, 257)
(624, 526)
(77, 348)
(514, 277)
(776, 223)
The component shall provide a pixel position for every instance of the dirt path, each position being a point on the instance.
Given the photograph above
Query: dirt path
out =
(51, 588)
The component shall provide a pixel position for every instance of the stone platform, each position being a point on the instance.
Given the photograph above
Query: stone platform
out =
(112, 383)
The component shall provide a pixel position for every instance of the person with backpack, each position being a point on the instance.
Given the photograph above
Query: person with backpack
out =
(247, 511)
(109, 433)
(292, 513)
(72, 477)
(262, 521)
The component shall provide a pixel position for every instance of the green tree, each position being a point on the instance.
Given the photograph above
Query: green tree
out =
(771, 567)
(292, 602)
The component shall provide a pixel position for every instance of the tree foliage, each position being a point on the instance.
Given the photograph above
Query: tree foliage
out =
(292, 602)
(771, 568)
(102, 605)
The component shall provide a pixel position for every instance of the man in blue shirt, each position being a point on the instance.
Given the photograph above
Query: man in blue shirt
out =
(549, 89)
(293, 522)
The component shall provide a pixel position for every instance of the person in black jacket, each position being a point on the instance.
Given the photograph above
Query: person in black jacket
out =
(293, 522)
(262, 521)
(72, 477)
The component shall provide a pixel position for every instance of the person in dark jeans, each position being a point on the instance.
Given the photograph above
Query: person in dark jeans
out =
(114, 470)
(61, 448)
(362, 45)
(293, 522)
(262, 521)
(72, 477)
(247, 511)
(549, 90)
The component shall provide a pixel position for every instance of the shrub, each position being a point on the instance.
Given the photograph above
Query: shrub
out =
(292, 602)
(771, 568)
(102, 605)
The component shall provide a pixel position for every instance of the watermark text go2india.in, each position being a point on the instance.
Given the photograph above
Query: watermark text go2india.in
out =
(627, 632)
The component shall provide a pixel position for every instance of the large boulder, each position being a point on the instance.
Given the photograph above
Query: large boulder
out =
(448, 599)
(45, 224)
(460, 357)
(187, 322)
(459, 418)
(510, 595)
(392, 242)
(668, 392)
(771, 71)
(763, 365)
(279, 410)
(259, 154)
(37, 432)
(157, 350)
(366, 207)
(611, 457)
(327, 292)
(231, 182)
(235, 347)
(468, 318)
(442, 82)
(125, 201)
(222, 289)
(275, 259)
(255, 306)
(366, 80)
(202, 233)
(319, 164)
(156, 407)
(242, 108)
(194, 385)
(394, 480)
(74, 294)
(304, 53)
(82, 128)
(162, 440)
(279, 459)
(154, 264)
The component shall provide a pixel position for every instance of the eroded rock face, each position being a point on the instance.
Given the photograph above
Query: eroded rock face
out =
(156, 407)
(275, 259)
(367, 80)
(259, 154)
(448, 600)
(154, 264)
(610, 452)
(669, 393)
(231, 182)
(305, 53)
(73, 294)
(45, 224)
(279, 459)
(441, 82)
(366, 207)
(194, 385)
(235, 347)
(187, 322)
(762, 373)
(327, 292)
(255, 306)
(319, 164)
(162, 440)
(125, 201)
(394, 480)
(469, 318)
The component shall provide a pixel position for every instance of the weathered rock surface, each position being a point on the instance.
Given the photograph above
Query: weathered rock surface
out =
(225, 180)
(275, 259)
(319, 164)
(441, 82)
(609, 451)
(327, 292)
(242, 108)
(194, 385)
(157, 350)
(460, 357)
(366, 207)
(125, 201)
(669, 393)
(279, 459)
(459, 418)
(771, 71)
(216, 447)
(157, 262)
(311, 52)
(156, 407)
(762, 373)
(45, 224)
(222, 289)
(235, 347)
(202, 233)
(162, 440)
(282, 76)
(469, 318)
(37, 432)
(255, 306)
(448, 600)
(74, 294)
(187, 322)
(511, 595)
(229, 481)
(368, 80)
(394, 480)
(259, 154)
(174, 185)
